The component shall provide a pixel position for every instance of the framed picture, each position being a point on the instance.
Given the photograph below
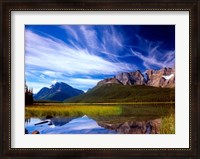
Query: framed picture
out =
(99, 79)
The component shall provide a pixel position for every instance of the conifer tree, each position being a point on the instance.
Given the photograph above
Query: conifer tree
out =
(28, 95)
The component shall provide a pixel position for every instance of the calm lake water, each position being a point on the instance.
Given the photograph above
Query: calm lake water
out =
(137, 119)
(81, 125)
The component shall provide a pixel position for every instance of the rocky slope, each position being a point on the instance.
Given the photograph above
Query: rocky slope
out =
(164, 78)
(161, 78)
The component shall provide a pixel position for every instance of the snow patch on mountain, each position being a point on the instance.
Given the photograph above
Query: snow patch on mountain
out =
(168, 77)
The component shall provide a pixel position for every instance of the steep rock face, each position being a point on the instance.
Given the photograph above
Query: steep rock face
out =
(161, 78)
(108, 81)
(138, 78)
(41, 93)
(164, 78)
(125, 78)
(65, 88)
(131, 78)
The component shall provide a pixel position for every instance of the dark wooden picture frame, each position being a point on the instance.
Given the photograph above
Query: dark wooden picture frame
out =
(6, 6)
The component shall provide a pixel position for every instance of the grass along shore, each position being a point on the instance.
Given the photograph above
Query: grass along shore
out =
(39, 103)
(117, 112)
(70, 109)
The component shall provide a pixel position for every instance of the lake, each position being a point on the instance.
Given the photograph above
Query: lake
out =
(81, 125)
(51, 118)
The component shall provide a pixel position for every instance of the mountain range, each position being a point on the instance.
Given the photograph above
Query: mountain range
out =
(57, 92)
(164, 78)
(152, 85)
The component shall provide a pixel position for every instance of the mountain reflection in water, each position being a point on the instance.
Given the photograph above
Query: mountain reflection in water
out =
(86, 125)
(81, 125)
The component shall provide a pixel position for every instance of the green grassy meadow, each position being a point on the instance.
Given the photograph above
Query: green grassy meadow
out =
(114, 93)
(71, 110)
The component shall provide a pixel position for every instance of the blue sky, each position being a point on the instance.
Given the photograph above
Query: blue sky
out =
(82, 55)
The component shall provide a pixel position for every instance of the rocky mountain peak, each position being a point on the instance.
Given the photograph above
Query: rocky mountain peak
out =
(131, 78)
(57, 92)
(108, 81)
(124, 78)
(164, 77)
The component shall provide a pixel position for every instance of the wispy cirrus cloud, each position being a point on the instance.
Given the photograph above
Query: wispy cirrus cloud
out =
(48, 54)
(150, 61)
(52, 74)
(90, 36)
(70, 30)
(76, 52)
(83, 83)
(152, 54)
(106, 41)
(50, 59)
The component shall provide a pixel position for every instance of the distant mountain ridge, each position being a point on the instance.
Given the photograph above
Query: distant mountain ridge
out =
(58, 92)
(152, 86)
(125, 86)
(164, 78)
